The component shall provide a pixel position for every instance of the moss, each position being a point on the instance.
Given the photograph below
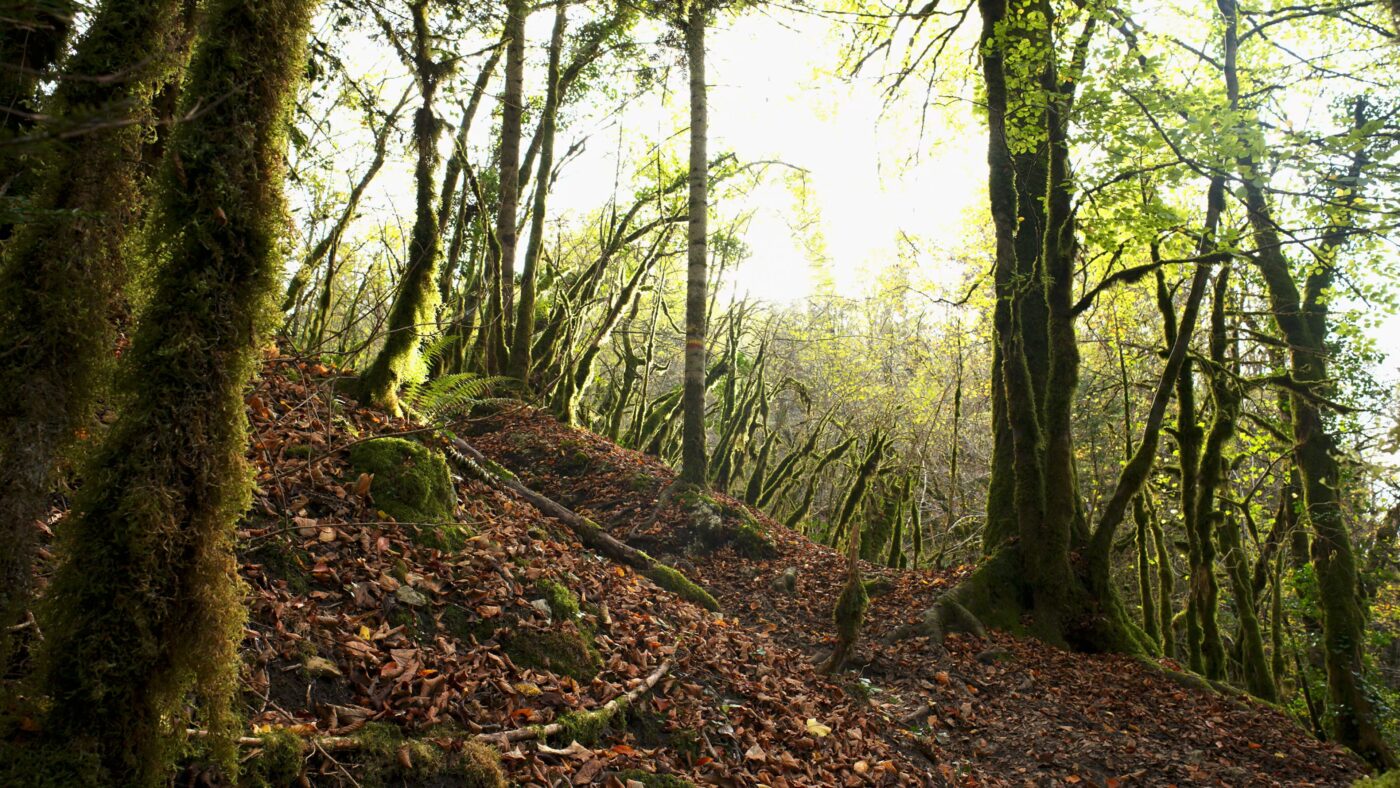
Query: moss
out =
(641, 481)
(278, 762)
(1390, 779)
(850, 611)
(751, 541)
(686, 743)
(588, 727)
(447, 537)
(411, 482)
(466, 626)
(565, 651)
(301, 451)
(477, 766)
(681, 586)
(653, 780)
(498, 470)
(575, 463)
(282, 561)
(144, 617)
(876, 586)
(563, 603)
(38, 764)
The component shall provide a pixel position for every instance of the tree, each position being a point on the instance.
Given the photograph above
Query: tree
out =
(145, 605)
(417, 292)
(63, 275)
(694, 452)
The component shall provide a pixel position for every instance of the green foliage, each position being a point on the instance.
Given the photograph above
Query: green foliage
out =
(1388, 780)
(412, 483)
(43, 764)
(448, 396)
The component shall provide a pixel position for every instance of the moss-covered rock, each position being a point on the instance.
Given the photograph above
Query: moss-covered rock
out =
(411, 484)
(564, 650)
(563, 603)
(877, 586)
(715, 524)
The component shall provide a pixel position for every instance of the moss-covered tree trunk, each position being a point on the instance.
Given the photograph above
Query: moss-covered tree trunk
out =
(145, 605)
(520, 361)
(501, 264)
(1302, 317)
(416, 297)
(32, 37)
(64, 272)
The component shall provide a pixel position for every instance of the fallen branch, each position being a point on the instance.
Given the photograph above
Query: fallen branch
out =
(588, 532)
(612, 707)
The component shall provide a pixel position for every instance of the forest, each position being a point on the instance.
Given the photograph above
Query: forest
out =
(699, 392)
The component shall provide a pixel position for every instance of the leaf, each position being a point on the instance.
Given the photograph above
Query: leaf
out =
(817, 729)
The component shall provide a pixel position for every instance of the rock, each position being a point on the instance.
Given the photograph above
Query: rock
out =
(410, 596)
(320, 666)
(786, 583)
(992, 655)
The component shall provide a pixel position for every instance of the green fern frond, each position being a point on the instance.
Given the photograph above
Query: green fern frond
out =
(450, 395)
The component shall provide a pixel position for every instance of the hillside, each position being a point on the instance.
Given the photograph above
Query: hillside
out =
(365, 627)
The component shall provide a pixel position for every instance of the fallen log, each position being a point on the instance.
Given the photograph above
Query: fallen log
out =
(588, 532)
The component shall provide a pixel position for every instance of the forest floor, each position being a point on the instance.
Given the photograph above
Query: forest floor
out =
(356, 620)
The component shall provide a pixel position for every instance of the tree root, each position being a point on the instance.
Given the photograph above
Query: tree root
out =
(587, 531)
(605, 712)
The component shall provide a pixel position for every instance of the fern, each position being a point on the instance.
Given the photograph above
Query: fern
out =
(449, 395)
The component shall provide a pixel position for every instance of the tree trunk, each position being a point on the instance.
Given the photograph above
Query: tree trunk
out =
(64, 273)
(417, 292)
(145, 605)
(1302, 318)
(501, 290)
(694, 456)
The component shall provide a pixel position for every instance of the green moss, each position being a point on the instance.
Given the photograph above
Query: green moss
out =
(465, 626)
(498, 470)
(1390, 779)
(36, 764)
(575, 463)
(588, 727)
(751, 541)
(447, 537)
(411, 482)
(682, 586)
(278, 763)
(299, 452)
(563, 603)
(653, 780)
(281, 561)
(477, 766)
(564, 650)
(850, 611)
(876, 586)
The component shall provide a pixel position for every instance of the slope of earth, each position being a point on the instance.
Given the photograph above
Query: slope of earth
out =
(497, 620)
(998, 712)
